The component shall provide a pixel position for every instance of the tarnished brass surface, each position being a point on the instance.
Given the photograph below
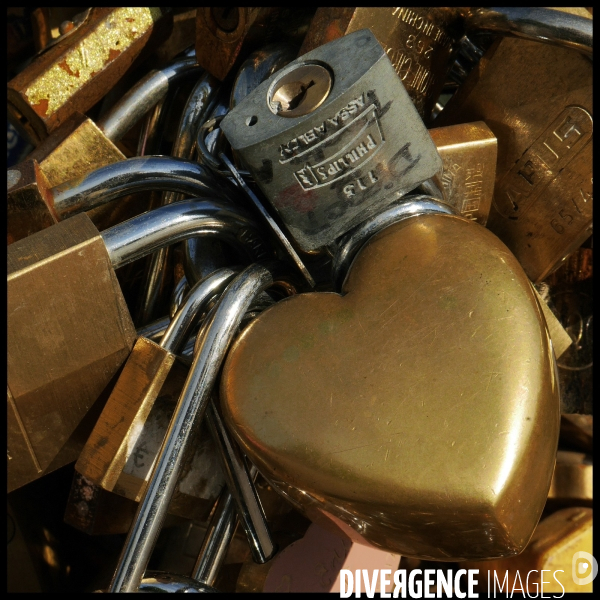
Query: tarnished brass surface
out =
(29, 201)
(76, 150)
(222, 32)
(555, 541)
(537, 99)
(68, 332)
(406, 408)
(420, 42)
(78, 71)
(573, 480)
(469, 153)
(120, 424)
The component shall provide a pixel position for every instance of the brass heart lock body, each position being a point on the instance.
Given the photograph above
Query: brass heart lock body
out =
(543, 197)
(421, 408)
(77, 148)
(69, 329)
(77, 71)
(332, 138)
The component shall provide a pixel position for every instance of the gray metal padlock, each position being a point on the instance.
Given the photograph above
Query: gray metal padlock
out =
(332, 138)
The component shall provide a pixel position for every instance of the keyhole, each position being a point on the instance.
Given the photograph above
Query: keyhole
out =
(300, 90)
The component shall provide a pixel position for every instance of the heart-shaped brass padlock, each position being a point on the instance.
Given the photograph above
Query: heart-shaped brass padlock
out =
(421, 408)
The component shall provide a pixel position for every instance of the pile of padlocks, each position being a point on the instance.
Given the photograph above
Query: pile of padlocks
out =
(322, 273)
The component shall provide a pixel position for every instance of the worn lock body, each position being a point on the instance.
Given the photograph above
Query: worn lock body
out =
(78, 71)
(64, 304)
(537, 99)
(420, 42)
(404, 407)
(469, 152)
(345, 143)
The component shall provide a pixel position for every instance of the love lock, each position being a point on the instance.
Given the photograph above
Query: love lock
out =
(421, 406)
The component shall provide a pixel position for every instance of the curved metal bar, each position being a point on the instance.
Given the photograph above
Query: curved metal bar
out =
(250, 510)
(173, 223)
(199, 103)
(154, 331)
(133, 175)
(194, 305)
(219, 533)
(536, 24)
(191, 406)
(167, 583)
(180, 291)
(143, 96)
(354, 240)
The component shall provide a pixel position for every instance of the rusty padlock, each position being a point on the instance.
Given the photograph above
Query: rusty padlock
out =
(79, 147)
(77, 71)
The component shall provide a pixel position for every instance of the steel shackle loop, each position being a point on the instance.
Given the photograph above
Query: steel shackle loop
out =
(535, 24)
(143, 96)
(191, 406)
(139, 174)
(173, 223)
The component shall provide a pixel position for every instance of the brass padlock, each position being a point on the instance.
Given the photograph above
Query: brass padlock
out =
(469, 153)
(542, 208)
(69, 329)
(80, 69)
(573, 480)
(332, 138)
(225, 33)
(422, 41)
(550, 563)
(112, 444)
(367, 406)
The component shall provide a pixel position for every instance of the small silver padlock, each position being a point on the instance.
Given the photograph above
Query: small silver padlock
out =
(332, 138)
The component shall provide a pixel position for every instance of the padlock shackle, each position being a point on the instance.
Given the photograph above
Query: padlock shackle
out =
(143, 96)
(239, 481)
(146, 173)
(190, 409)
(535, 24)
(193, 306)
(354, 240)
(173, 223)
(199, 103)
(215, 544)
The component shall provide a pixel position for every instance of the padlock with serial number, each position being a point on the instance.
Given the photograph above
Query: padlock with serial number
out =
(69, 329)
(332, 138)
(542, 208)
